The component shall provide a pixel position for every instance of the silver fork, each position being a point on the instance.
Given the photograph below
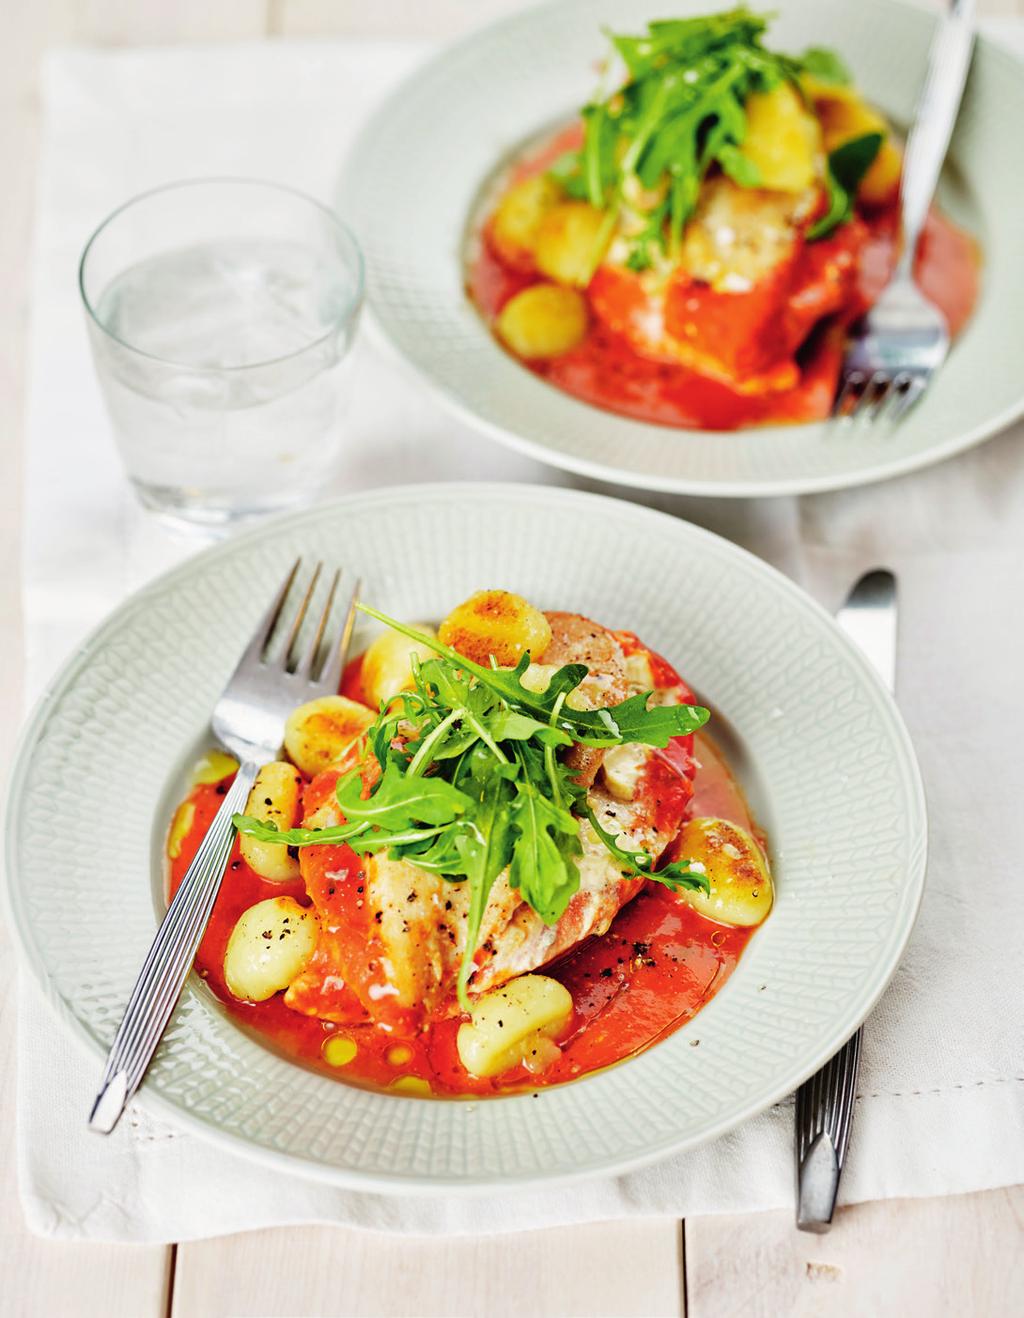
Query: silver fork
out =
(904, 339)
(269, 681)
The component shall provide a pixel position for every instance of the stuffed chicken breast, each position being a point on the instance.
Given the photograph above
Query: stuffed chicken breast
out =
(412, 925)
(499, 856)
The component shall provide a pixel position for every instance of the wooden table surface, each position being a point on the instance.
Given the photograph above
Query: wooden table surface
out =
(960, 1256)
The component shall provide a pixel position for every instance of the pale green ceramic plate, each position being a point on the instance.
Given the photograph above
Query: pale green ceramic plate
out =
(416, 173)
(819, 745)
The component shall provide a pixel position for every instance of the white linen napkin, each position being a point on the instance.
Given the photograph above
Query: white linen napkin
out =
(941, 1105)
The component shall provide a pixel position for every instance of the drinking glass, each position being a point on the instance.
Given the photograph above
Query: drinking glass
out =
(220, 313)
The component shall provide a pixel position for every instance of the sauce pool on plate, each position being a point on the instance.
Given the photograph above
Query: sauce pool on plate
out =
(659, 963)
(606, 370)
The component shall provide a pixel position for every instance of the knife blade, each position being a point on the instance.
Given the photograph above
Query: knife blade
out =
(825, 1102)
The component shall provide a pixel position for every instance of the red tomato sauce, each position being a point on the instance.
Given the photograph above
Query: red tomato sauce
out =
(656, 967)
(607, 371)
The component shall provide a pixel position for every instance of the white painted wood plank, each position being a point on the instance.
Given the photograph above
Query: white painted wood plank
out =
(958, 1257)
(620, 1269)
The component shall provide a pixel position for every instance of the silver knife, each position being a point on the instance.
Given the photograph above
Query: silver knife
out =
(825, 1103)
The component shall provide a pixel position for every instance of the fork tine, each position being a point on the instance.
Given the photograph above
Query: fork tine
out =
(859, 408)
(253, 652)
(300, 617)
(330, 676)
(849, 395)
(304, 668)
(876, 394)
(908, 398)
(887, 409)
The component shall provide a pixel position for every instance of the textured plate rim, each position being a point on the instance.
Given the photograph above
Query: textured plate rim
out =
(156, 1104)
(541, 451)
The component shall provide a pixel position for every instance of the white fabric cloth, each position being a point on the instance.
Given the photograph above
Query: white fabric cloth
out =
(941, 1107)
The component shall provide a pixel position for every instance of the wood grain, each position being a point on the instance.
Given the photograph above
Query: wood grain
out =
(959, 1257)
(621, 1269)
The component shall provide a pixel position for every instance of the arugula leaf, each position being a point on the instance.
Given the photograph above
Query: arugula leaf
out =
(679, 113)
(678, 874)
(847, 165)
(509, 725)
(543, 866)
(825, 65)
(597, 159)
(566, 171)
(685, 39)
(651, 236)
(400, 801)
(471, 783)
(485, 851)
(739, 167)
(630, 721)
(359, 837)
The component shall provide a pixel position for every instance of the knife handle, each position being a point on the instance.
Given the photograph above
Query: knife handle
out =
(824, 1116)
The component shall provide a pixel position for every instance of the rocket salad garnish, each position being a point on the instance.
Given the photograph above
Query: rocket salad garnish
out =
(649, 144)
(471, 782)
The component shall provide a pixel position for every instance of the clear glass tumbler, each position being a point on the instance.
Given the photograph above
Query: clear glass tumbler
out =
(220, 312)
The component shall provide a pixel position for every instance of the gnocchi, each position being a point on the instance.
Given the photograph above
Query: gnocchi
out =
(844, 115)
(783, 140)
(511, 1024)
(518, 218)
(271, 943)
(571, 239)
(544, 320)
(841, 111)
(181, 826)
(212, 767)
(275, 798)
(496, 624)
(387, 664)
(319, 733)
(741, 891)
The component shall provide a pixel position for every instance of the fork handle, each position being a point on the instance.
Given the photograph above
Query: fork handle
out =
(168, 961)
(928, 141)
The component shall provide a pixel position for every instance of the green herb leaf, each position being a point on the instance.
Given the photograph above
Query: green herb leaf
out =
(471, 783)
(508, 725)
(630, 721)
(678, 114)
(400, 801)
(847, 165)
(825, 65)
(678, 874)
(568, 173)
(484, 851)
(543, 866)
(738, 167)
(360, 837)
(293, 837)
(597, 158)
